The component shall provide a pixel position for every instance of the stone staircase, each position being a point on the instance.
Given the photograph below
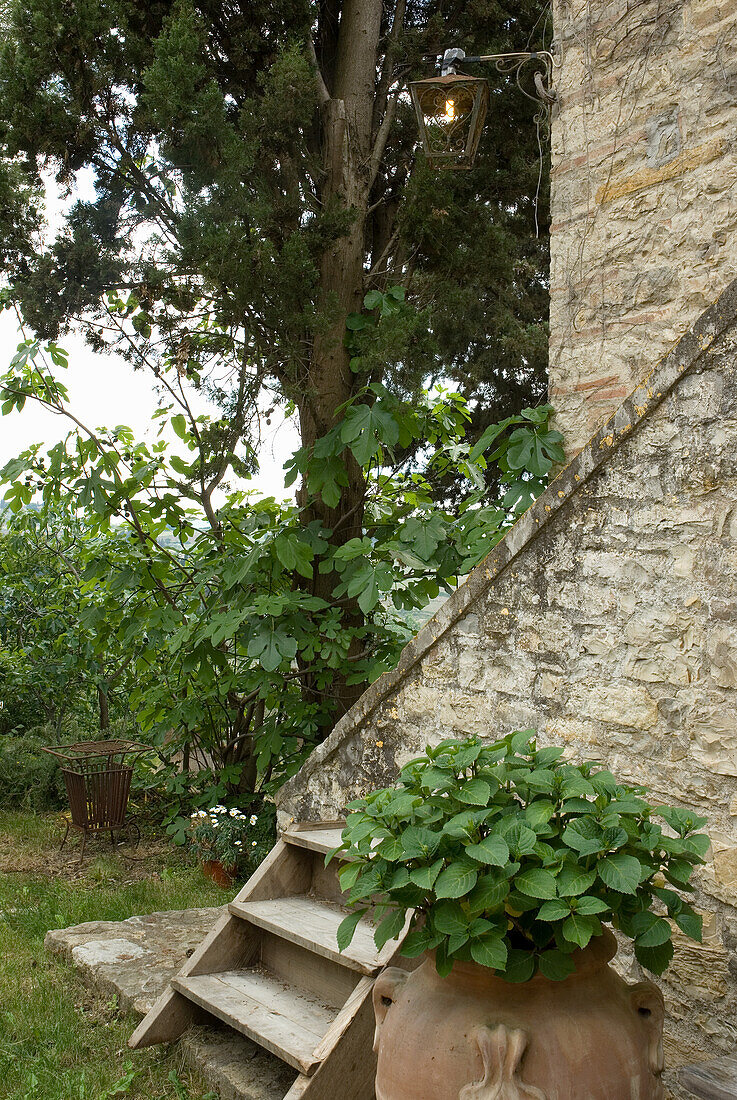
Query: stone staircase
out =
(271, 969)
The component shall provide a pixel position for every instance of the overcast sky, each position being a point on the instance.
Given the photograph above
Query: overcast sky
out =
(105, 390)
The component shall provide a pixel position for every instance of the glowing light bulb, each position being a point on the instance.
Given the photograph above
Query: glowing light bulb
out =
(450, 110)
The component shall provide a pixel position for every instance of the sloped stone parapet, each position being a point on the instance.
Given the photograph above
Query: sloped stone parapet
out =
(607, 620)
(298, 799)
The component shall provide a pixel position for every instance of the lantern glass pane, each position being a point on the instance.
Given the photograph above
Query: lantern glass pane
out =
(447, 112)
(450, 114)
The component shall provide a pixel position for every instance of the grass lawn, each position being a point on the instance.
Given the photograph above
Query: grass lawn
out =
(57, 1041)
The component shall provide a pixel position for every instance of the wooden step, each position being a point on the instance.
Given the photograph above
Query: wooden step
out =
(313, 923)
(283, 1018)
(318, 837)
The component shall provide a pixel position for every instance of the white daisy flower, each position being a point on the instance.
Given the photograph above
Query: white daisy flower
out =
(253, 843)
(253, 819)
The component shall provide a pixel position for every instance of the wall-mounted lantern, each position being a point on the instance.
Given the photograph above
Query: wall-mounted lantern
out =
(451, 108)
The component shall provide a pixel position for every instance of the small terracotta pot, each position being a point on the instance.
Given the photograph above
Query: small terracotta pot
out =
(220, 875)
(474, 1036)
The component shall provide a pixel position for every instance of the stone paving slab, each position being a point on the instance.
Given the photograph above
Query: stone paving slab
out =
(134, 960)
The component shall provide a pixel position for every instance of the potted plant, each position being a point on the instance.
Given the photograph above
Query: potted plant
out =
(230, 843)
(512, 865)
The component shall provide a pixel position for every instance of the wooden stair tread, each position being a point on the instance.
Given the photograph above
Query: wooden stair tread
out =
(316, 838)
(313, 923)
(285, 1019)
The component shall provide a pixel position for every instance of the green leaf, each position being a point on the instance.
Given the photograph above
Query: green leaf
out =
(443, 964)
(584, 836)
(348, 873)
(418, 941)
(488, 894)
(620, 872)
(656, 959)
(658, 932)
(476, 792)
(489, 436)
(553, 910)
(573, 880)
(590, 905)
(699, 844)
(690, 922)
(681, 821)
(520, 966)
(556, 965)
(461, 825)
(536, 883)
(490, 951)
(354, 322)
(579, 928)
(389, 928)
(678, 871)
(419, 843)
(449, 918)
(425, 876)
(179, 424)
(457, 880)
(492, 850)
(520, 839)
(347, 928)
(436, 779)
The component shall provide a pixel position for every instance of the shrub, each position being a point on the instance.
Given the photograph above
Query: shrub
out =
(238, 839)
(507, 856)
(29, 778)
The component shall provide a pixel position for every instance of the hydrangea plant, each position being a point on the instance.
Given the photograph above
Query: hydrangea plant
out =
(237, 839)
(506, 855)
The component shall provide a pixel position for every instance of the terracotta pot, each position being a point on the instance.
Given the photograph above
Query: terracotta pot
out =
(214, 869)
(473, 1036)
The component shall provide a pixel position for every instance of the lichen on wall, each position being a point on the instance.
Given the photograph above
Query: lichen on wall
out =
(644, 203)
(606, 620)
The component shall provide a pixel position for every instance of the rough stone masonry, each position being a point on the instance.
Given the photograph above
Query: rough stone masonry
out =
(644, 202)
(607, 620)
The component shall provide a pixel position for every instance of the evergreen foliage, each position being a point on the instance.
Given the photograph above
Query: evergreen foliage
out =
(263, 232)
(206, 138)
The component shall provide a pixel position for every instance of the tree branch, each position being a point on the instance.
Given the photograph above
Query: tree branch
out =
(323, 94)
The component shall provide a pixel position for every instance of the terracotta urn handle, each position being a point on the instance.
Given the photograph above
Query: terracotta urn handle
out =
(386, 988)
(647, 1001)
(501, 1050)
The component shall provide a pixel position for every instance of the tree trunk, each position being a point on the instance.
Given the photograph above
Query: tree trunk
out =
(104, 708)
(346, 129)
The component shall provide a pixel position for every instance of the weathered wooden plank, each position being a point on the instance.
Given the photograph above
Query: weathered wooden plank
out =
(313, 923)
(714, 1080)
(231, 943)
(348, 1070)
(318, 838)
(284, 1019)
(327, 980)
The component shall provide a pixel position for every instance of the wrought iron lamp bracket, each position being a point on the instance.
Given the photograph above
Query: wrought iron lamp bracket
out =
(513, 63)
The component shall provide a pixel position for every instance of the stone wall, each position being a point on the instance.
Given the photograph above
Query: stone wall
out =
(607, 620)
(644, 203)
